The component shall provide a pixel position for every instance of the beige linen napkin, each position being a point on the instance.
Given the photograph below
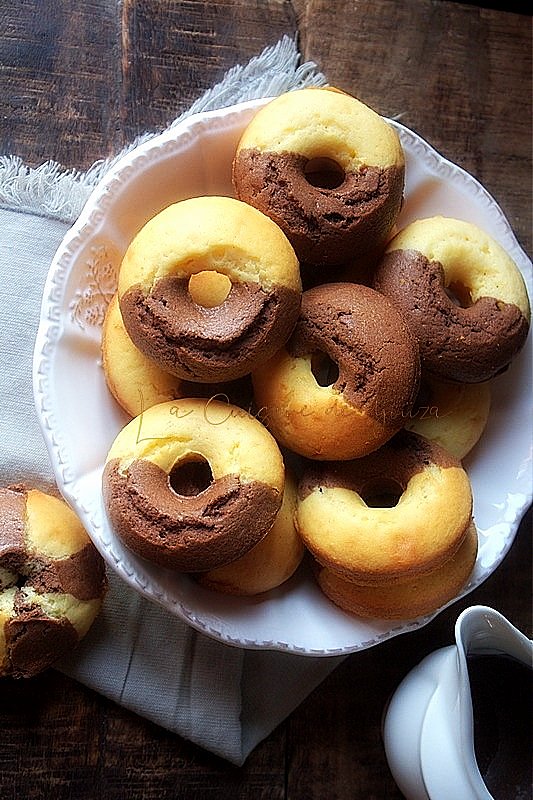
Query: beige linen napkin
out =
(137, 654)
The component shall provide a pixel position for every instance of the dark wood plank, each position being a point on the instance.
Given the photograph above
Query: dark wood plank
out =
(166, 67)
(95, 75)
(59, 65)
(52, 730)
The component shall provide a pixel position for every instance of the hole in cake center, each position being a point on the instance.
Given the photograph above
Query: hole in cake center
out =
(325, 370)
(190, 477)
(382, 493)
(324, 173)
(11, 578)
(209, 288)
(459, 294)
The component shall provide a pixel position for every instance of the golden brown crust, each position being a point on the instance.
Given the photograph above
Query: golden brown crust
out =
(405, 599)
(453, 415)
(137, 383)
(376, 358)
(348, 528)
(133, 379)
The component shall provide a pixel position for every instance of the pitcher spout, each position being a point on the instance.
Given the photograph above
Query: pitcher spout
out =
(459, 724)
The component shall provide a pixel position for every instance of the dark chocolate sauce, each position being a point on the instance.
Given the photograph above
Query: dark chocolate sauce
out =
(502, 702)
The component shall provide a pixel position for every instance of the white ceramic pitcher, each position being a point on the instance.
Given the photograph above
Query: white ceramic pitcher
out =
(428, 728)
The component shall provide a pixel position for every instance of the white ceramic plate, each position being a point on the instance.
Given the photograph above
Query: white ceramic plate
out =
(80, 419)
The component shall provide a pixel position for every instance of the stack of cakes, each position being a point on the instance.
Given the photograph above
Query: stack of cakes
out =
(295, 321)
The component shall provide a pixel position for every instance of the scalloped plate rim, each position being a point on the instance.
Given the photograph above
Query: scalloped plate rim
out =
(86, 224)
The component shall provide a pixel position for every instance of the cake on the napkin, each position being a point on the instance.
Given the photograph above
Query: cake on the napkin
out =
(52, 581)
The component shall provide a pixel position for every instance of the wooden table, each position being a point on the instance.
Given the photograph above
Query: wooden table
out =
(79, 80)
